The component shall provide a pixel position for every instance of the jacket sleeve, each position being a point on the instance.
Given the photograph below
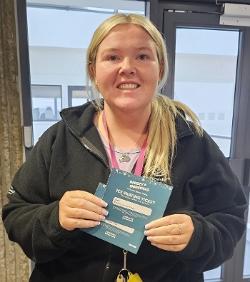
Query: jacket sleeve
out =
(219, 211)
(30, 218)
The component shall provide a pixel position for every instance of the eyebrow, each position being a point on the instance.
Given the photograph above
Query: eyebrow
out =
(117, 49)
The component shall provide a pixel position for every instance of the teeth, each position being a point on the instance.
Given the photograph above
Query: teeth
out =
(128, 86)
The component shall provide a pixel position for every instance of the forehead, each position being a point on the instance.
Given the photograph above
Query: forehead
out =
(125, 35)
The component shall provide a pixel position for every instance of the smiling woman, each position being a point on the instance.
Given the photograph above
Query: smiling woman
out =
(53, 194)
(129, 50)
(127, 71)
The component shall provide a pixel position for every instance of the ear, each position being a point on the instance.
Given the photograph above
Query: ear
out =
(92, 73)
(161, 71)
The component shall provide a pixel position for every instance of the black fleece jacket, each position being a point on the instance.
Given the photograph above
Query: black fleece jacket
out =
(69, 156)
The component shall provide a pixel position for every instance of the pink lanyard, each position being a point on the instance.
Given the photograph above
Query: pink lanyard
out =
(114, 163)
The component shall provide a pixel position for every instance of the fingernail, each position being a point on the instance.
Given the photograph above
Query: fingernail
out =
(97, 223)
(105, 212)
(102, 217)
(147, 226)
(104, 204)
(146, 233)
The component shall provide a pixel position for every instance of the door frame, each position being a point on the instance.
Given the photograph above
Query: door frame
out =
(167, 16)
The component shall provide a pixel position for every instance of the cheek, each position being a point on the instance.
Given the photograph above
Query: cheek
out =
(104, 80)
(98, 72)
(153, 79)
(103, 73)
(152, 74)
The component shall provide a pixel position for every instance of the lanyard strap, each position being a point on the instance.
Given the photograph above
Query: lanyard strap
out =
(114, 163)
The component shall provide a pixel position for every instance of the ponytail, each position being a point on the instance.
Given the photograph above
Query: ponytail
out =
(162, 137)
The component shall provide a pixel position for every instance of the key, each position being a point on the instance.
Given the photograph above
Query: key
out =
(123, 274)
(125, 259)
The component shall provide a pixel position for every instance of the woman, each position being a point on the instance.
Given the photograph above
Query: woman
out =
(51, 196)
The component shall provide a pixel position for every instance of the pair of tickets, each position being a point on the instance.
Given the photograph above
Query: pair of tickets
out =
(133, 201)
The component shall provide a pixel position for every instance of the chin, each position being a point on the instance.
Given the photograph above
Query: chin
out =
(130, 107)
(128, 103)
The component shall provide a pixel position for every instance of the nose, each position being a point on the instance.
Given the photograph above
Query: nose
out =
(127, 67)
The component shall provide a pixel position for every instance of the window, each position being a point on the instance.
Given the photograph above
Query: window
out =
(46, 102)
(46, 105)
(205, 75)
(78, 95)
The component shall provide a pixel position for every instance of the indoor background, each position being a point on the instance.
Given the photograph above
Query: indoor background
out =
(42, 70)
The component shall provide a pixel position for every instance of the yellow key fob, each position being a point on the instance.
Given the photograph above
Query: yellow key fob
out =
(134, 277)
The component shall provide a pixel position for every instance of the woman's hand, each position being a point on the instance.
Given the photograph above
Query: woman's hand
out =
(80, 209)
(170, 233)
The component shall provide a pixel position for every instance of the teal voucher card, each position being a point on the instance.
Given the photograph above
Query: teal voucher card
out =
(133, 201)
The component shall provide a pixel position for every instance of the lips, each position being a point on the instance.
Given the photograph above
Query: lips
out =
(128, 86)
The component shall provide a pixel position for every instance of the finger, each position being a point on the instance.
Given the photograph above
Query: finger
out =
(171, 248)
(85, 204)
(83, 214)
(173, 229)
(168, 240)
(167, 220)
(71, 224)
(87, 196)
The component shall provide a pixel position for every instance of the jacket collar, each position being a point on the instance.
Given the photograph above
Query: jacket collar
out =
(79, 119)
(183, 128)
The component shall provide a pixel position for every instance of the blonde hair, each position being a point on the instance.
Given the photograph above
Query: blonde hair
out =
(162, 136)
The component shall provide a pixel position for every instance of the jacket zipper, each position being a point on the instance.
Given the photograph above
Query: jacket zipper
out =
(109, 248)
(102, 159)
(87, 147)
(99, 156)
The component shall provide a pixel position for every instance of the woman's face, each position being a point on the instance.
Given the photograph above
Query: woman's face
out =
(127, 70)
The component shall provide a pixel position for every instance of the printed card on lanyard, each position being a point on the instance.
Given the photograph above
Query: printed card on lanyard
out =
(124, 274)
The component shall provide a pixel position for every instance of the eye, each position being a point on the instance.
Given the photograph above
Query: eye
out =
(143, 57)
(112, 58)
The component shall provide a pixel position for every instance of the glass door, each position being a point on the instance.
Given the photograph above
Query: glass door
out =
(205, 75)
(207, 63)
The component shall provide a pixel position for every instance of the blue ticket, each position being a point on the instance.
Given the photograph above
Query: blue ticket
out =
(133, 201)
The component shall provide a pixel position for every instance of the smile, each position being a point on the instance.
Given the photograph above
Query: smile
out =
(128, 86)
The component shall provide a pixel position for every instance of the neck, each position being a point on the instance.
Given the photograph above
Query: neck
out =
(126, 130)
